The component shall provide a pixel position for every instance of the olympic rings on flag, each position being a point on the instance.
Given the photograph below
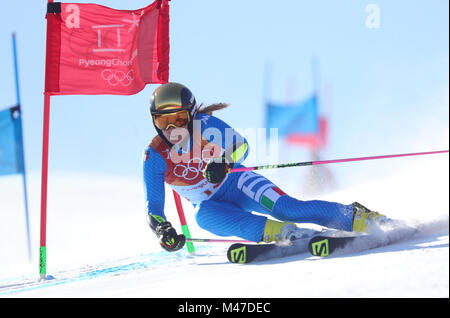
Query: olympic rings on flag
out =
(115, 78)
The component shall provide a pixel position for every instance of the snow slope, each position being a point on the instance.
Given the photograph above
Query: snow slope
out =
(99, 244)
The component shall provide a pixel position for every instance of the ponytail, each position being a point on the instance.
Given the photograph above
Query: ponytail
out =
(211, 108)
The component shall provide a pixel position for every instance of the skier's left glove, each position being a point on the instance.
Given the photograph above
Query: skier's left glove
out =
(167, 235)
(215, 172)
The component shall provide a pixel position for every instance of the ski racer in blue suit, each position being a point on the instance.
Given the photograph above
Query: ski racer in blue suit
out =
(193, 153)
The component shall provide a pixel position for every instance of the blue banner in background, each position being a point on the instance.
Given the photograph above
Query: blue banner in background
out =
(298, 118)
(11, 141)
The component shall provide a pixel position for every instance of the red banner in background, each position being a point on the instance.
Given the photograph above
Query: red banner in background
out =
(313, 141)
(93, 49)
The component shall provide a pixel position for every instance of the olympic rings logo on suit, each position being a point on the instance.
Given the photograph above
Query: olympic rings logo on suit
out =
(115, 78)
(193, 169)
(190, 171)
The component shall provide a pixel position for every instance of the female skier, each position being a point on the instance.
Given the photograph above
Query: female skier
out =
(193, 153)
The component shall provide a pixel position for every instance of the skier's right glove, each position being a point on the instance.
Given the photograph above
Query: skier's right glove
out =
(167, 235)
(215, 172)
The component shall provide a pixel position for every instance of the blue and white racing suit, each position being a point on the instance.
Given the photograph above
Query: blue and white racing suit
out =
(225, 209)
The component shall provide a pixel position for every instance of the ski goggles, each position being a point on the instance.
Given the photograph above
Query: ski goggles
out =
(176, 119)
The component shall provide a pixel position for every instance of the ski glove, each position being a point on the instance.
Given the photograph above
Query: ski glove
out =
(167, 235)
(215, 172)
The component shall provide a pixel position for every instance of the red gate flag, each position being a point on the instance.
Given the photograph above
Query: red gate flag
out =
(93, 49)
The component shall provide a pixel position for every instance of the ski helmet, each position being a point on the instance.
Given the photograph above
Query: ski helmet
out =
(171, 98)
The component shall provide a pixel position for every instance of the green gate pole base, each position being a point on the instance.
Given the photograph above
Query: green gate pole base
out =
(189, 245)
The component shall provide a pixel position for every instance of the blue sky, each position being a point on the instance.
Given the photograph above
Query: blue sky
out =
(385, 89)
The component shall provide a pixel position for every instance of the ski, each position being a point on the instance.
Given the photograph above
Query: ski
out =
(241, 253)
(327, 245)
(340, 243)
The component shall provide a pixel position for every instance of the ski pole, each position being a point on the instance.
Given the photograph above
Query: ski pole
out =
(216, 241)
(322, 162)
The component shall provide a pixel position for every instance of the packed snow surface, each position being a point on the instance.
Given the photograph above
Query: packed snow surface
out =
(99, 245)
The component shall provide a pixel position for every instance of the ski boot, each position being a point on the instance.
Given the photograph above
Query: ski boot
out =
(283, 233)
(364, 220)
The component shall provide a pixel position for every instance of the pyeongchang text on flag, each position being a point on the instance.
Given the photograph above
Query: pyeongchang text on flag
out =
(93, 49)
